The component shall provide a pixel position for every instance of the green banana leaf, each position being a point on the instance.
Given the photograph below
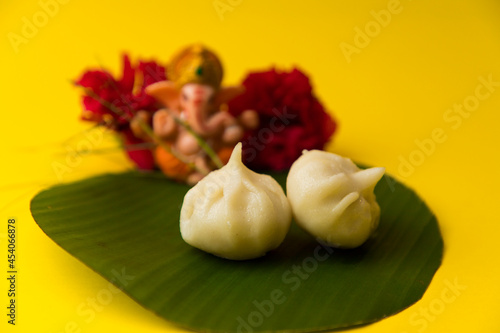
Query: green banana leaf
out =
(126, 228)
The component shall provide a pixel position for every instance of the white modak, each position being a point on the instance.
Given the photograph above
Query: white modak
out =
(235, 213)
(332, 199)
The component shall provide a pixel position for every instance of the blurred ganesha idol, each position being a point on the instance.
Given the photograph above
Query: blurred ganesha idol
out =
(179, 119)
(192, 100)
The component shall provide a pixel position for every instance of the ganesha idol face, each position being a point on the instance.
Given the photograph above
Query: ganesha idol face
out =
(196, 101)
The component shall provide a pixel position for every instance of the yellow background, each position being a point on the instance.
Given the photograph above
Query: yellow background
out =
(395, 90)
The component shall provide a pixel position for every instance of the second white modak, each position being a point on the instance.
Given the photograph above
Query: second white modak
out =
(332, 199)
(235, 213)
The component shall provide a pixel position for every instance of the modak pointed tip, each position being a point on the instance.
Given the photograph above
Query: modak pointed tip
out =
(369, 177)
(235, 159)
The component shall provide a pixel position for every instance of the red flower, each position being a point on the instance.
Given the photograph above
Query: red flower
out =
(291, 118)
(114, 102)
(118, 98)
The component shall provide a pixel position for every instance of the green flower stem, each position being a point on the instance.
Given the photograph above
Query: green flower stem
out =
(149, 131)
(108, 150)
(202, 143)
(145, 127)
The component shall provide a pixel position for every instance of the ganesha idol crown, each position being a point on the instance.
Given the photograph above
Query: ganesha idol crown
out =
(196, 64)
